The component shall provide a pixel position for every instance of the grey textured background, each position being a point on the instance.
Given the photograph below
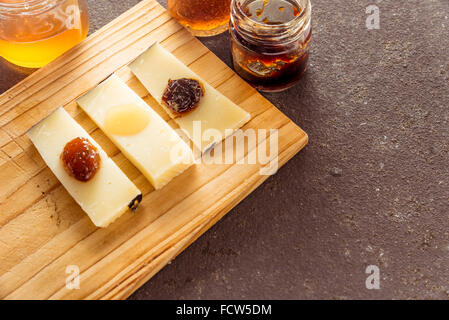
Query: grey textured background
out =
(371, 188)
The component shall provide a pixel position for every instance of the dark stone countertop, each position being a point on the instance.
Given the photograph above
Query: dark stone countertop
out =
(372, 186)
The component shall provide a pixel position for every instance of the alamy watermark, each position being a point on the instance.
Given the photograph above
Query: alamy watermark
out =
(70, 16)
(373, 280)
(72, 282)
(373, 19)
(249, 146)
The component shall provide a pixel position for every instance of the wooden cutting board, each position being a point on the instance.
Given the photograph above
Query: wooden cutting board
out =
(43, 230)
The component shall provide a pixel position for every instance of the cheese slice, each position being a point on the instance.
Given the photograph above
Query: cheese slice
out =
(217, 115)
(108, 194)
(138, 131)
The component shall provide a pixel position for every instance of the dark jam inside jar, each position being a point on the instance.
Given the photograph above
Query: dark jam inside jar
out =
(81, 159)
(270, 41)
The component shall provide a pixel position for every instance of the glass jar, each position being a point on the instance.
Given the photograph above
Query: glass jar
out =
(201, 17)
(270, 41)
(35, 32)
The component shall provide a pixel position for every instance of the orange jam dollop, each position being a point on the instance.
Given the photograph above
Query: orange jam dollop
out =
(81, 159)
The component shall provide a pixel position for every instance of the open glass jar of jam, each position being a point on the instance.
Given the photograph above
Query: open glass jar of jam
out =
(35, 32)
(270, 41)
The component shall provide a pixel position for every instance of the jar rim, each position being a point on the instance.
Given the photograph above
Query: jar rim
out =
(273, 26)
(271, 34)
(28, 5)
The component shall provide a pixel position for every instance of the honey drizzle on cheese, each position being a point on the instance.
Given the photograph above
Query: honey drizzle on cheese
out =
(126, 120)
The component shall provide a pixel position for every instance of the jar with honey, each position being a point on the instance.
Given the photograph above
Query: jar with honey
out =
(35, 32)
(270, 41)
(202, 17)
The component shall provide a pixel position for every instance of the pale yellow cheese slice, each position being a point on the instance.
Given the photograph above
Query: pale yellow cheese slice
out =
(156, 150)
(217, 115)
(108, 194)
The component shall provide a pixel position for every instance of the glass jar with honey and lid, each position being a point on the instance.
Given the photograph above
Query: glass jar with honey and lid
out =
(270, 41)
(202, 17)
(35, 32)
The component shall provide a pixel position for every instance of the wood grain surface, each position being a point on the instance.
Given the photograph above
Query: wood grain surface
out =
(43, 230)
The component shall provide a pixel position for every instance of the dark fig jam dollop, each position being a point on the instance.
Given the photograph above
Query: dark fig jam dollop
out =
(81, 159)
(183, 95)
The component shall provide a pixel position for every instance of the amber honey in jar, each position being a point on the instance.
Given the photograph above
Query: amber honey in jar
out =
(35, 32)
(270, 41)
(202, 17)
